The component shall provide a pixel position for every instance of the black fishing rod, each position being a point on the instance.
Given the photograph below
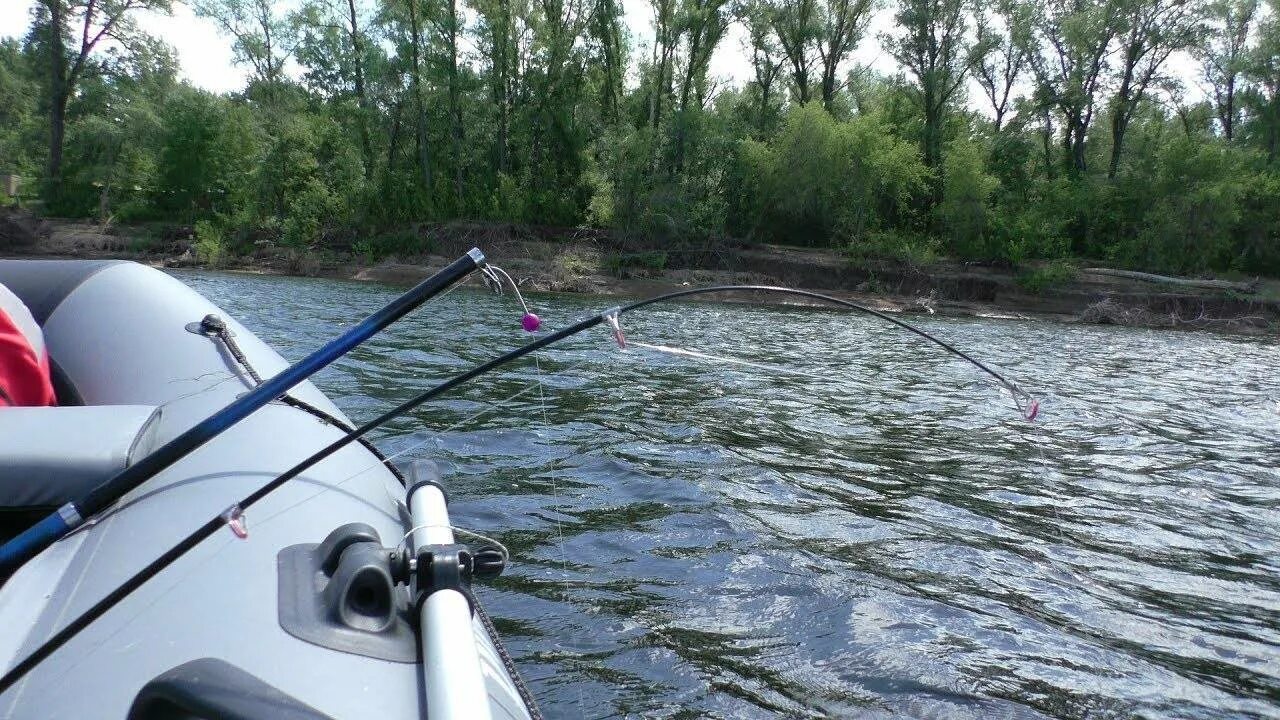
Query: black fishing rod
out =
(48, 530)
(236, 511)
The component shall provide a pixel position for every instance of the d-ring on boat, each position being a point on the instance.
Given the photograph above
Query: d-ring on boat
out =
(305, 612)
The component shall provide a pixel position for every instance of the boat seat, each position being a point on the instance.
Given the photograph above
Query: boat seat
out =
(56, 454)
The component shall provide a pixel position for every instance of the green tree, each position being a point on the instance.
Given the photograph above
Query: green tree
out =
(1263, 97)
(821, 179)
(1072, 41)
(334, 47)
(262, 36)
(842, 25)
(1224, 57)
(1153, 31)
(1000, 54)
(73, 30)
(19, 122)
(209, 150)
(934, 48)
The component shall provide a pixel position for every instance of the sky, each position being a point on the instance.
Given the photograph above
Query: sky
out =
(205, 55)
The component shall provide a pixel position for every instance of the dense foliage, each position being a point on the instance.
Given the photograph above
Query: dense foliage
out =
(364, 116)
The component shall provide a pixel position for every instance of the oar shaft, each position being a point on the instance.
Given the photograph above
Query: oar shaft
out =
(42, 534)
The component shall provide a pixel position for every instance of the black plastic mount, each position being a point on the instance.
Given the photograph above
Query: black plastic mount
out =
(345, 594)
(443, 567)
(212, 689)
(211, 325)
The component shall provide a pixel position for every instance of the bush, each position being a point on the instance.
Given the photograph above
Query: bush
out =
(309, 180)
(403, 242)
(623, 265)
(210, 247)
(962, 216)
(910, 249)
(820, 180)
(1049, 275)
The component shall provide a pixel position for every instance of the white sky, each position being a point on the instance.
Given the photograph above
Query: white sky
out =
(205, 55)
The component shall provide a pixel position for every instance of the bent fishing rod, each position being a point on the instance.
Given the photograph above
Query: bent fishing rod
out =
(234, 514)
(66, 518)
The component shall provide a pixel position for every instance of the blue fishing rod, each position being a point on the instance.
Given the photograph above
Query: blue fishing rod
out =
(47, 531)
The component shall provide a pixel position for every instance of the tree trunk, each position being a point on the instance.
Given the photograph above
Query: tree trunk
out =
(802, 83)
(1273, 129)
(1228, 120)
(1119, 125)
(58, 94)
(393, 141)
(1046, 140)
(931, 141)
(765, 88)
(423, 142)
(455, 107)
(357, 48)
(1077, 152)
(695, 46)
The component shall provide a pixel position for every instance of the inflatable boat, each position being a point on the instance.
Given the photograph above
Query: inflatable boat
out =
(291, 611)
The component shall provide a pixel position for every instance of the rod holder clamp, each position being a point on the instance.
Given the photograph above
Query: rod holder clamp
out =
(443, 567)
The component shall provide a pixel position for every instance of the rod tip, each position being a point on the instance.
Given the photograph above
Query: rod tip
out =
(476, 256)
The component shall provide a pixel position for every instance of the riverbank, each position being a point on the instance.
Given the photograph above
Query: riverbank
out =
(578, 261)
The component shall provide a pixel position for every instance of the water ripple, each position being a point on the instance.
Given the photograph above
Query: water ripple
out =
(880, 536)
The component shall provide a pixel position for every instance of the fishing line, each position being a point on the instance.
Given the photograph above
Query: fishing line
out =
(506, 555)
(531, 322)
(434, 437)
(233, 516)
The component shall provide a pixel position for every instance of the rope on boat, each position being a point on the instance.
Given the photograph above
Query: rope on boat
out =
(216, 329)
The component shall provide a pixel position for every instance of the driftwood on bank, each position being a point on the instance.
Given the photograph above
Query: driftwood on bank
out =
(1247, 287)
(1110, 312)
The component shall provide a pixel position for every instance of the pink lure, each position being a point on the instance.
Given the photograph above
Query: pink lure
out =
(530, 322)
(1033, 409)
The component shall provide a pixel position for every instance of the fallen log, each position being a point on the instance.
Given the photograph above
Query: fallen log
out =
(1247, 287)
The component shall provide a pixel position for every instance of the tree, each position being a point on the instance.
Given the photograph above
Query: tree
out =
(333, 46)
(934, 48)
(1262, 69)
(1000, 55)
(821, 179)
(666, 37)
(1154, 30)
(767, 60)
(208, 150)
(1223, 55)
(842, 24)
(795, 23)
(449, 26)
(94, 21)
(1072, 45)
(606, 30)
(18, 111)
(703, 24)
(261, 36)
(499, 33)
(423, 142)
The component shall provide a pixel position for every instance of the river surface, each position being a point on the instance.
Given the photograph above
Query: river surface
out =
(866, 528)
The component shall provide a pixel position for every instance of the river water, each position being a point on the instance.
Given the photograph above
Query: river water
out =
(866, 529)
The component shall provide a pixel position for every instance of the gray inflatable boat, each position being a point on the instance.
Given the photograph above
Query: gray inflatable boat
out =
(291, 616)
